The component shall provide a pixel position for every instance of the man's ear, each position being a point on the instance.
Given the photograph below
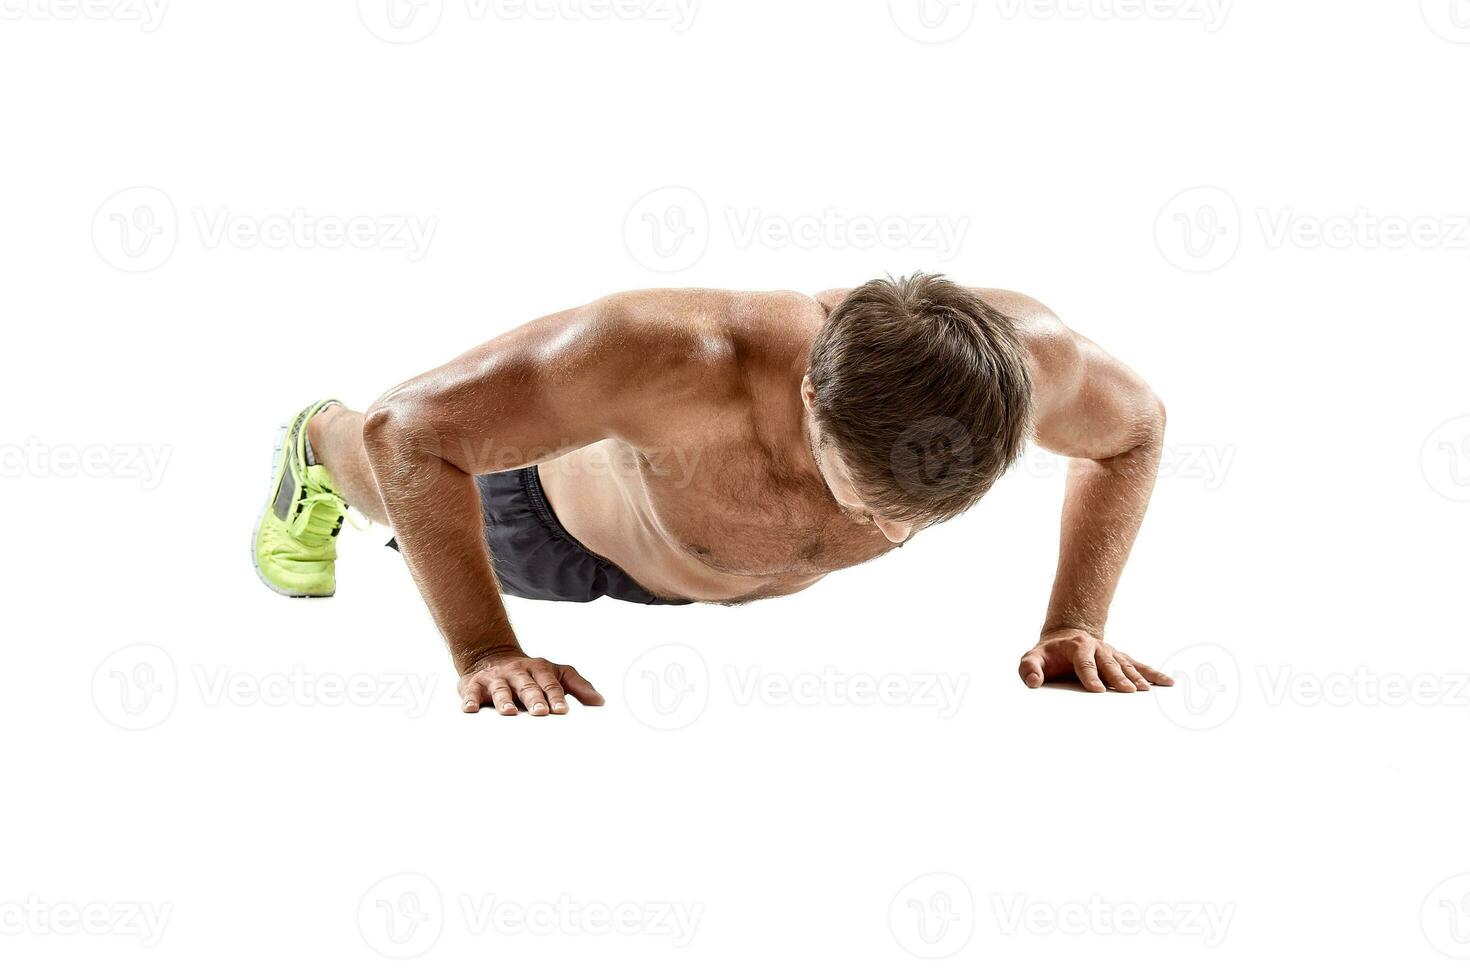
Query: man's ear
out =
(808, 391)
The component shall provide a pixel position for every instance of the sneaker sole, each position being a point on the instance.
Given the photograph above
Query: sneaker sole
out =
(275, 483)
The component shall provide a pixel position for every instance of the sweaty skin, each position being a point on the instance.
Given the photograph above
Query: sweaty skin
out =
(674, 439)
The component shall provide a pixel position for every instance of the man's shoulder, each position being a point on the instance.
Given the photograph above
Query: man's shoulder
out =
(676, 358)
(683, 324)
(1026, 312)
(712, 330)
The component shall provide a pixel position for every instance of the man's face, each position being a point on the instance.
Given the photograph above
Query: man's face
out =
(840, 482)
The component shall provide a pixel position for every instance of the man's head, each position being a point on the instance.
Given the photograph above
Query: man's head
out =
(919, 399)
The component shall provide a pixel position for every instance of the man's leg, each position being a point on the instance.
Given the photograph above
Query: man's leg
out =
(335, 434)
(295, 546)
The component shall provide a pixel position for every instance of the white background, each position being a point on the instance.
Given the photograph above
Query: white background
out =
(1301, 571)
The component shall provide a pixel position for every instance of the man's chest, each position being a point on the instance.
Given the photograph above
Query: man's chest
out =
(741, 513)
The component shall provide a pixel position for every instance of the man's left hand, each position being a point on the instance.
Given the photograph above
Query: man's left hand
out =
(1095, 664)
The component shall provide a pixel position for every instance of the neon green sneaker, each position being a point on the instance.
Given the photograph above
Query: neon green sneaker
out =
(295, 547)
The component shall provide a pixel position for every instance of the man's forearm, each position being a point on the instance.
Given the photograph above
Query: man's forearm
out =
(1105, 503)
(434, 508)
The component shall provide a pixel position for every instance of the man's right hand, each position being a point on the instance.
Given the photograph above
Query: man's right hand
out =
(508, 680)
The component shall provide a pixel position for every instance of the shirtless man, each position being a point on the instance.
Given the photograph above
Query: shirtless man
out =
(672, 446)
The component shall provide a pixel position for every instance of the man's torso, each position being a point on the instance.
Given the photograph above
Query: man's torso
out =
(724, 504)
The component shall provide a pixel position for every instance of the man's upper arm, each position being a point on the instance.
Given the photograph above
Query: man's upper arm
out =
(1088, 404)
(553, 385)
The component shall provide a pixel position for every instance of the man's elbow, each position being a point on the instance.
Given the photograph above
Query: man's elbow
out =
(380, 422)
(1147, 423)
(395, 427)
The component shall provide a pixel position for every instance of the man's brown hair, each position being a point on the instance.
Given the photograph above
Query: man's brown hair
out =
(923, 389)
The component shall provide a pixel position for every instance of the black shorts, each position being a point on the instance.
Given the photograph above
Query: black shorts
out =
(535, 557)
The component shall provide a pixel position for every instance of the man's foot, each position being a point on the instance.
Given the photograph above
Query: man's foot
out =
(295, 547)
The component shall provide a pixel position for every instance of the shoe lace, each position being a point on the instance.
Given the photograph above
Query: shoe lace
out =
(318, 516)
